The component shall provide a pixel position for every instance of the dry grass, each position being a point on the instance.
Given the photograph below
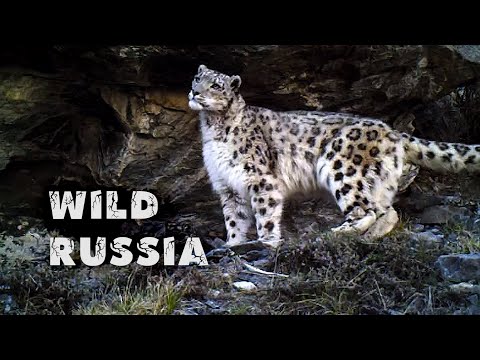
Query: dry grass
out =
(334, 275)
(158, 297)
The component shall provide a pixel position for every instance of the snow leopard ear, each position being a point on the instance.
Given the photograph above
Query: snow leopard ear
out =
(201, 68)
(235, 82)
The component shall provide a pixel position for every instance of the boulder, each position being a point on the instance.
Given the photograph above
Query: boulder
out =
(460, 267)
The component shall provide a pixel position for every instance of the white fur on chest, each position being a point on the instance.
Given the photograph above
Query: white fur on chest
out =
(218, 160)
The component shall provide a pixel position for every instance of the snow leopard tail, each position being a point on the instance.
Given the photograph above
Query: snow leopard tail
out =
(441, 156)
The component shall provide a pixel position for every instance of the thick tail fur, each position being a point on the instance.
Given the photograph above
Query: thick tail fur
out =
(441, 156)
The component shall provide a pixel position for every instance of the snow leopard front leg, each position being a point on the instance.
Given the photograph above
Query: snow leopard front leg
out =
(267, 204)
(238, 216)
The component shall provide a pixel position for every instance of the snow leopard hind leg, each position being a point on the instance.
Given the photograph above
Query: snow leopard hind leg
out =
(363, 176)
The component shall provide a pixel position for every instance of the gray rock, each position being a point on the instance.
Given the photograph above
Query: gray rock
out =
(255, 255)
(418, 227)
(249, 246)
(212, 304)
(261, 281)
(442, 214)
(219, 253)
(469, 52)
(427, 237)
(435, 230)
(459, 267)
(465, 288)
(262, 263)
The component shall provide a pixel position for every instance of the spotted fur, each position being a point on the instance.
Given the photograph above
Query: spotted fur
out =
(256, 158)
(441, 156)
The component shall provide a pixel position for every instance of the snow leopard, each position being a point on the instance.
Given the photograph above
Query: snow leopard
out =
(256, 158)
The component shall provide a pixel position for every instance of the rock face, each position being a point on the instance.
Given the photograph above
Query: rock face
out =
(118, 116)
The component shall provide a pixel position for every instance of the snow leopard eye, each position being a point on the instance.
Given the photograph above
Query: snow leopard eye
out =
(197, 78)
(215, 86)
